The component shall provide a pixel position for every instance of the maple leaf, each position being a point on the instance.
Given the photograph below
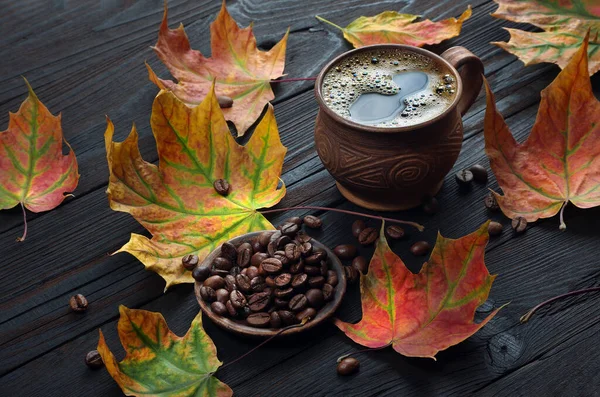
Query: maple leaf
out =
(422, 314)
(176, 200)
(241, 71)
(560, 161)
(391, 27)
(565, 22)
(160, 363)
(33, 170)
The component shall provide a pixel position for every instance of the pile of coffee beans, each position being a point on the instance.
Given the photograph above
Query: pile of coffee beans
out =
(274, 280)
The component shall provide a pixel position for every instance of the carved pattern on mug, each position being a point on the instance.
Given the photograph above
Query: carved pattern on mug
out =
(410, 170)
(325, 148)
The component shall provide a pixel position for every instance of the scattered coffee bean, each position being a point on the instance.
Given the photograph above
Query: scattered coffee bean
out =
(283, 280)
(299, 281)
(292, 252)
(490, 202)
(298, 303)
(219, 272)
(358, 226)
(94, 360)
(230, 283)
(257, 258)
(218, 308)
(430, 205)
(302, 237)
(315, 298)
(289, 229)
(332, 278)
(361, 264)
(308, 313)
(305, 249)
(259, 301)
(420, 248)
(258, 284)
(208, 294)
(294, 219)
(519, 224)
(271, 265)
(480, 174)
(464, 178)
(214, 282)
(222, 295)
(275, 320)
(312, 222)
(316, 282)
(201, 273)
(394, 232)
(495, 228)
(352, 274)
(368, 236)
(189, 261)
(222, 187)
(328, 292)
(222, 263)
(78, 303)
(284, 293)
(348, 366)
(244, 254)
(224, 101)
(287, 317)
(346, 251)
(229, 251)
(237, 298)
(316, 257)
(243, 282)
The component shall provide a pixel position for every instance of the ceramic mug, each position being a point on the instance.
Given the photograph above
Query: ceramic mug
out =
(395, 168)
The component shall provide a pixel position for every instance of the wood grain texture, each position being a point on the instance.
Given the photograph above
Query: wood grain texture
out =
(85, 59)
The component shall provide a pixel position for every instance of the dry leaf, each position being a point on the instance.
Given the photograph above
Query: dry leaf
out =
(422, 314)
(241, 71)
(160, 363)
(33, 170)
(391, 27)
(565, 22)
(560, 161)
(176, 201)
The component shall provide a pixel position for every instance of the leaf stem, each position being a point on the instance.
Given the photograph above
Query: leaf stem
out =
(304, 321)
(419, 227)
(340, 358)
(530, 313)
(22, 238)
(563, 225)
(331, 23)
(294, 79)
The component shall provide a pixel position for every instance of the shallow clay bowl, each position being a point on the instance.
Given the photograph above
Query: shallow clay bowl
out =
(242, 329)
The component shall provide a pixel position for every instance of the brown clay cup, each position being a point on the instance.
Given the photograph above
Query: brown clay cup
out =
(391, 169)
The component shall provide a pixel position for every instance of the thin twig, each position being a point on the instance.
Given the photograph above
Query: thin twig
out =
(294, 79)
(22, 238)
(326, 21)
(419, 227)
(340, 358)
(563, 225)
(530, 313)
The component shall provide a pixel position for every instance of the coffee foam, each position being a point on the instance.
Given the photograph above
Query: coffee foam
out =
(373, 71)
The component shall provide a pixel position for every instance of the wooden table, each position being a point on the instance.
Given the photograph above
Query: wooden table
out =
(85, 58)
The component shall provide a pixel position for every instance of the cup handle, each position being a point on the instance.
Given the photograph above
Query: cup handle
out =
(470, 68)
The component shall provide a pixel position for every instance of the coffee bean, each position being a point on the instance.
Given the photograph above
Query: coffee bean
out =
(352, 274)
(224, 101)
(257, 258)
(316, 257)
(312, 222)
(312, 270)
(201, 273)
(360, 264)
(289, 229)
(491, 203)
(256, 247)
(420, 248)
(368, 236)
(302, 237)
(270, 281)
(272, 247)
(294, 219)
(230, 309)
(519, 224)
(218, 308)
(222, 263)
(189, 261)
(282, 242)
(348, 366)
(299, 281)
(430, 205)
(264, 238)
(394, 232)
(218, 272)
(243, 282)
(229, 251)
(464, 178)
(358, 226)
(281, 303)
(283, 293)
(214, 282)
(280, 255)
(305, 249)
(235, 271)
(297, 267)
(230, 283)
(259, 301)
(244, 254)
(283, 280)
(328, 292)
(222, 295)
(308, 313)
(238, 300)
(315, 297)
(207, 294)
(271, 265)
(292, 252)
(480, 174)
(298, 303)
(324, 268)
(93, 359)
(316, 282)
(495, 228)
(345, 251)
(275, 235)
(78, 303)
(275, 320)
(222, 187)
(287, 317)
(251, 271)
(332, 278)
(257, 284)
